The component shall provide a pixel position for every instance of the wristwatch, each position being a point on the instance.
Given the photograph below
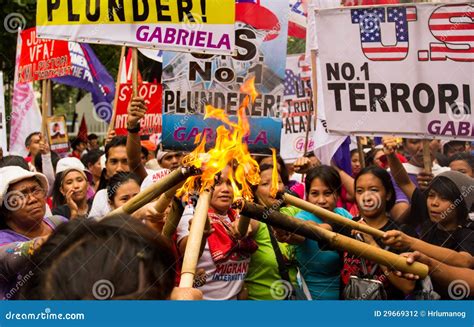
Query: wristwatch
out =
(135, 129)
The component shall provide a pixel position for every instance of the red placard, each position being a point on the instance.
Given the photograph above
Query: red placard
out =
(42, 58)
(151, 123)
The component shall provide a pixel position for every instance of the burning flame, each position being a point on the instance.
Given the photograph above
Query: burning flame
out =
(274, 186)
(229, 149)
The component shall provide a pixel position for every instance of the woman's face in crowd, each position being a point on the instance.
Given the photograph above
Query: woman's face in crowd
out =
(76, 182)
(125, 192)
(26, 201)
(320, 194)
(355, 164)
(441, 210)
(371, 196)
(95, 169)
(223, 194)
(463, 167)
(263, 189)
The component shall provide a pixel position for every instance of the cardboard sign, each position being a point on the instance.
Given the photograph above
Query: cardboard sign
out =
(151, 123)
(57, 134)
(42, 59)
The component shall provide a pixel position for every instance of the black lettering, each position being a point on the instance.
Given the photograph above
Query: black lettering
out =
(288, 124)
(348, 76)
(268, 103)
(118, 8)
(184, 8)
(333, 71)
(204, 73)
(417, 101)
(353, 97)
(71, 16)
(169, 100)
(377, 93)
(444, 99)
(160, 8)
(466, 97)
(400, 98)
(50, 6)
(146, 11)
(337, 87)
(241, 42)
(224, 74)
(93, 17)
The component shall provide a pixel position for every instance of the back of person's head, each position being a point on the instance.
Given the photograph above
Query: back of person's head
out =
(76, 142)
(384, 177)
(92, 137)
(91, 157)
(14, 161)
(116, 258)
(145, 152)
(119, 140)
(327, 174)
(38, 161)
(29, 137)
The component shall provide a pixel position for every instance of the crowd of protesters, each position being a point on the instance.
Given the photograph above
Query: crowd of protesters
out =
(56, 244)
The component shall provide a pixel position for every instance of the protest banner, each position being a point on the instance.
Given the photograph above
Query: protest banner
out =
(42, 59)
(3, 122)
(57, 134)
(297, 111)
(25, 117)
(205, 26)
(191, 81)
(151, 123)
(179, 132)
(402, 69)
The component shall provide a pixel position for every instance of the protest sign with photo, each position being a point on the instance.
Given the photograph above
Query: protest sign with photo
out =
(404, 69)
(297, 111)
(182, 25)
(41, 58)
(151, 123)
(57, 134)
(191, 81)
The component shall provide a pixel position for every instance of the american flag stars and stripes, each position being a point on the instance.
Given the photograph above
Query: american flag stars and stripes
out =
(370, 20)
(291, 79)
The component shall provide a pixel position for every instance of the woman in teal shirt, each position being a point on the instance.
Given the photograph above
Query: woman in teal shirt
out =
(321, 268)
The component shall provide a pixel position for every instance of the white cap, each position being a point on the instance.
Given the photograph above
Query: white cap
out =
(154, 177)
(72, 163)
(160, 154)
(14, 174)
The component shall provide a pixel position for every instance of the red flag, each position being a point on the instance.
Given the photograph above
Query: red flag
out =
(82, 133)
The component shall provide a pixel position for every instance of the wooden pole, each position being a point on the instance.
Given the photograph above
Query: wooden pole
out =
(330, 216)
(360, 150)
(243, 225)
(44, 107)
(193, 246)
(338, 241)
(117, 87)
(427, 156)
(166, 198)
(135, 71)
(173, 219)
(314, 84)
(153, 191)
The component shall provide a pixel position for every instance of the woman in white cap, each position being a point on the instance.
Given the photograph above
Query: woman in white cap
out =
(23, 224)
(70, 198)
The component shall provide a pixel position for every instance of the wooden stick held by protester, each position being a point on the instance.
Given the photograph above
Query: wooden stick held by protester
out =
(173, 218)
(329, 215)
(117, 87)
(313, 231)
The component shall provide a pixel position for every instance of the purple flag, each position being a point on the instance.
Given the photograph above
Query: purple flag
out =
(342, 157)
(89, 74)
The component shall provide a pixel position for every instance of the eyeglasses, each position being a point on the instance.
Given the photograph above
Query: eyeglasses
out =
(37, 192)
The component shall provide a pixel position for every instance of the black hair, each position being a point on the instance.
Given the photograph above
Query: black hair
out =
(58, 198)
(38, 161)
(76, 142)
(29, 137)
(14, 161)
(92, 136)
(263, 167)
(285, 177)
(450, 191)
(328, 175)
(463, 156)
(117, 180)
(91, 157)
(384, 177)
(354, 151)
(119, 140)
(116, 258)
(370, 157)
(452, 143)
(145, 151)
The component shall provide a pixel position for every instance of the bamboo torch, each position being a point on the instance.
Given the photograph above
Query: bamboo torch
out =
(173, 219)
(117, 87)
(427, 156)
(135, 71)
(338, 241)
(193, 246)
(329, 215)
(153, 191)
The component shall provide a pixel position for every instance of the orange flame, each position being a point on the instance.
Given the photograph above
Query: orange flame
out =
(274, 186)
(229, 148)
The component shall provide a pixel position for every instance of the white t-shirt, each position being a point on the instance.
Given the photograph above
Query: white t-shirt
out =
(100, 205)
(224, 281)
